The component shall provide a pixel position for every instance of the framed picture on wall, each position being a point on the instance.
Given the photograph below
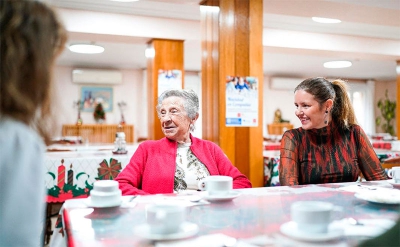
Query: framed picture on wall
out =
(91, 96)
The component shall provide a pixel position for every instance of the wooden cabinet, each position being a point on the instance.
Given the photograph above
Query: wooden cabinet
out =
(278, 128)
(98, 133)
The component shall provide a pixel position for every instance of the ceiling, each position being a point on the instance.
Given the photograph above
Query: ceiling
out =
(294, 45)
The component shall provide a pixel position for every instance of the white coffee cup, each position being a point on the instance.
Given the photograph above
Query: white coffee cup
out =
(165, 218)
(313, 216)
(216, 185)
(394, 173)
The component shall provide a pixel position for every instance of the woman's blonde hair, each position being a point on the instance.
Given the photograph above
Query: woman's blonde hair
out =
(31, 38)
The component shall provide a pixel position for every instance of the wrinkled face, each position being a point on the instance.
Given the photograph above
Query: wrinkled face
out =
(175, 122)
(308, 110)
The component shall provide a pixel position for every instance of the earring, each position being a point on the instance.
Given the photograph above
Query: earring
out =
(326, 114)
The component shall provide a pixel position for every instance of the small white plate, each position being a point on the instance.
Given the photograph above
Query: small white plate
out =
(395, 185)
(290, 229)
(378, 196)
(89, 203)
(221, 198)
(186, 230)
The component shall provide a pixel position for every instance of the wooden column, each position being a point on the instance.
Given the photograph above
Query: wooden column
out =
(168, 55)
(398, 101)
(232, 46)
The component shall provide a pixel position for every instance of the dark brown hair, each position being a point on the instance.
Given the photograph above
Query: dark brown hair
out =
(31, 38)
(322, 90)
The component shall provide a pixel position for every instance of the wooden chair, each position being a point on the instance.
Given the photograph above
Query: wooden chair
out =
(391, 162)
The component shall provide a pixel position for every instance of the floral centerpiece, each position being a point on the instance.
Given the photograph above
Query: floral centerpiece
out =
(99, 114)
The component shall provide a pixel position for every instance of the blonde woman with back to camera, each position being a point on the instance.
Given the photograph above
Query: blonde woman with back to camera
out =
(329, 147)
(31, 37)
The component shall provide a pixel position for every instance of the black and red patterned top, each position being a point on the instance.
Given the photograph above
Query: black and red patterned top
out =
(327, 155)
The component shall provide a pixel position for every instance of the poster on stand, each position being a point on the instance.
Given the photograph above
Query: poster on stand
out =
(241, 101)
(169, 79)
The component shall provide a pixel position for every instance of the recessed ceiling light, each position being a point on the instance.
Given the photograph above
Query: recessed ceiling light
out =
(86, 48)
(337, 64)
(326, 20)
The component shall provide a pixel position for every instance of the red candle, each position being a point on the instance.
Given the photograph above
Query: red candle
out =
(61, 175)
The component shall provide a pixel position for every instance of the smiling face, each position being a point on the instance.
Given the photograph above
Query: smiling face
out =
(175, 123)
(311, 114)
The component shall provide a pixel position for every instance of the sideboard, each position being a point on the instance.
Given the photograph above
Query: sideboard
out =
(98, 133)
(278, 128)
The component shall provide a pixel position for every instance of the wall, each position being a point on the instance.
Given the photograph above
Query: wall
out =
(130, 91)
(133, 92)
(283, 100)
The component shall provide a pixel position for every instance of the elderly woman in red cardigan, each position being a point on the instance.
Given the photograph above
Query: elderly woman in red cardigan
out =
(178, 161)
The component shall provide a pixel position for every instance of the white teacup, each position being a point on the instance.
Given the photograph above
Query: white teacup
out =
(313, 216)
(105, 193)
(216, 185)
(165, 218)
(394, 173)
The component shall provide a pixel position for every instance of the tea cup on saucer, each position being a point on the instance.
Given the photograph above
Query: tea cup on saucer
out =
(105, 193)
(216, 185)
(165, 219)
(313, 216)
(394, 173)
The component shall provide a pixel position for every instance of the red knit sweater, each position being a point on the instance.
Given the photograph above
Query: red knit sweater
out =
(151, 169)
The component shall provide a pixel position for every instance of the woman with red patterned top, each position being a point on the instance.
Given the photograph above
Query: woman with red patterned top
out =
(330, 146)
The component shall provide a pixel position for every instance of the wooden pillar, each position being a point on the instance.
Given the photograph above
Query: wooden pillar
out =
(232, 46)
(168, 55)
(398, 100)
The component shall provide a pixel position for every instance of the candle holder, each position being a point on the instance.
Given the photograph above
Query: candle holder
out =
(120, 143)
(121, 106)
(78, 104)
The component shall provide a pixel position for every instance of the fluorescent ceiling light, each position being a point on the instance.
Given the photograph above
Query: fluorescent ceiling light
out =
(326, 20)
(337, 64)
(86, 48)
(125, 1)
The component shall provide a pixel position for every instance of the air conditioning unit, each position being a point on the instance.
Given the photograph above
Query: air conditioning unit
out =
(284, 83)
(96, 76)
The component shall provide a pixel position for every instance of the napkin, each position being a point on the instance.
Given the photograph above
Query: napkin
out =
(211, 240)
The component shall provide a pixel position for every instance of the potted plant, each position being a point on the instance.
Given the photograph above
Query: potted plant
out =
(388, 110)
(99, 114)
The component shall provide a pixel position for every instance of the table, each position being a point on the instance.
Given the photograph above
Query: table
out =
(271, 165)
(272, 159)
(256, 212)
(71, 174)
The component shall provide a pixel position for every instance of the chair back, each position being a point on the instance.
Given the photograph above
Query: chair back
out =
(391, 162)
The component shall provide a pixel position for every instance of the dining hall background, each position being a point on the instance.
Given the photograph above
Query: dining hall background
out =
(133, 91)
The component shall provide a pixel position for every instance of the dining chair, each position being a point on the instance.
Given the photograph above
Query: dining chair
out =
(391, 162)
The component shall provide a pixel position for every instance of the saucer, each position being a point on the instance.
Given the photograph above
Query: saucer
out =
(186, 229)
(395, 185)
(221, 198)
(290, 229)
(388, 196)
(89, 203)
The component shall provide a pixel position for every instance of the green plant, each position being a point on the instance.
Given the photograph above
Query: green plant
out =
(388, 112)
(99, 112)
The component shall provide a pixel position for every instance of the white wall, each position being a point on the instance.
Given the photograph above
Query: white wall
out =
(130, 91)
(278, 99)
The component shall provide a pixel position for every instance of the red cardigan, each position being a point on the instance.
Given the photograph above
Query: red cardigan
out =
(151, 169)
